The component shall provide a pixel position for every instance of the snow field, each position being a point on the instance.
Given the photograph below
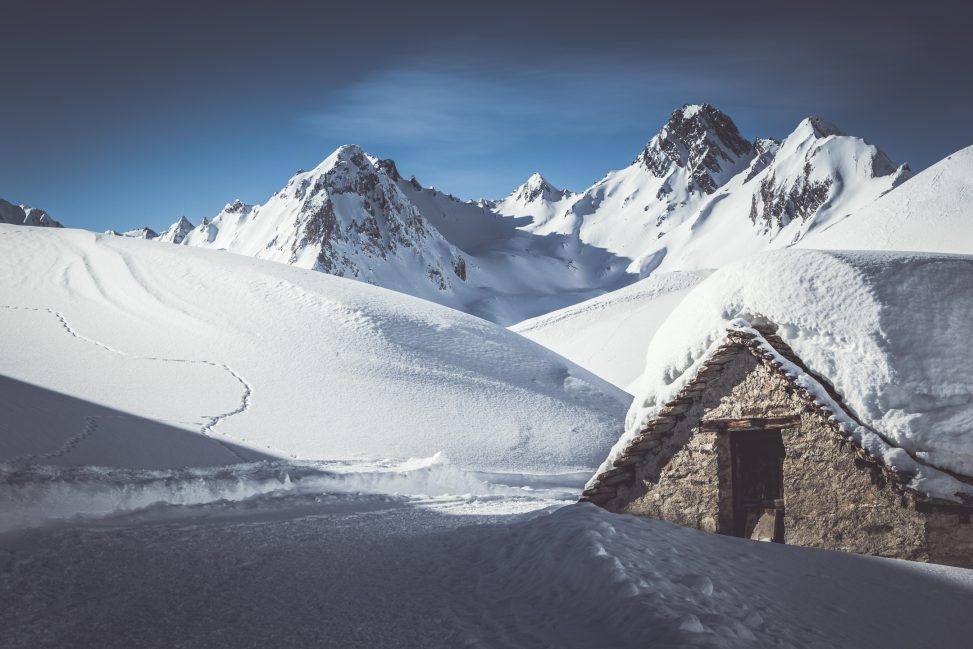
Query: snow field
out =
(278, 362)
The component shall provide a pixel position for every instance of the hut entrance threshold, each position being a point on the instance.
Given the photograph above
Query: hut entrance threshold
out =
(758, 484)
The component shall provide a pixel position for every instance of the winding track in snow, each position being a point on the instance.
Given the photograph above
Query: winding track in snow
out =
(91, 423)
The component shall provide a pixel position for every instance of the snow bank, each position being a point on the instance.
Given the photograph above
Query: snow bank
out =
(932, 212)
(582, 577)
(891, 331)
(609, 334)
(251, 358)
(39, 495)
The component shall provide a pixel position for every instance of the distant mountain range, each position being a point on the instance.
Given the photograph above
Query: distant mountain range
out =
(697, 196)
(23, 215)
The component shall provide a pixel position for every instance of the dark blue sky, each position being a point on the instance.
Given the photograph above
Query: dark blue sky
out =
(117, 114)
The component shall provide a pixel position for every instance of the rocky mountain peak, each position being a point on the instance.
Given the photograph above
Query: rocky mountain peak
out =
(817, 128)
(176, 232)
(236, 207)
(702, 140)
(538, 188)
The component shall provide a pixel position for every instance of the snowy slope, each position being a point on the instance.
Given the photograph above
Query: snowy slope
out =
(890, 330)
(24, 215)
(118, 348)
(933, 212)
(609, 334)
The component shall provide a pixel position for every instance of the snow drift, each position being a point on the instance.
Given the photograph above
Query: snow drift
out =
(610, 333)
(269, 360)
(891, 332)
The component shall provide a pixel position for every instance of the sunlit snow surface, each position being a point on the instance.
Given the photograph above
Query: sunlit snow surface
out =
(131, 354)
(889, 330)
(148, 497)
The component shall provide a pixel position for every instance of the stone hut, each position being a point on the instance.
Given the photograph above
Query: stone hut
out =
(758, 446)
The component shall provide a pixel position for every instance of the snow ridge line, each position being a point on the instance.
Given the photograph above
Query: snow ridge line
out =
(205, 430)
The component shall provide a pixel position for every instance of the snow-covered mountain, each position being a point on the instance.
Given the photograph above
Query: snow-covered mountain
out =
(345, 217)
(933, 212)
(538, 199)
(25, 215)
(697, 196)
(355, 216)
(176, 232)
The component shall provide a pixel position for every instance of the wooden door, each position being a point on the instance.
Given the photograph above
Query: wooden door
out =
(758, 484)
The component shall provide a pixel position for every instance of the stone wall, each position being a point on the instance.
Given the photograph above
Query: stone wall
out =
(833, 499)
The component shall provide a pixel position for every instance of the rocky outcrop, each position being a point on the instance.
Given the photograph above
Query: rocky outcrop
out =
(775, 205)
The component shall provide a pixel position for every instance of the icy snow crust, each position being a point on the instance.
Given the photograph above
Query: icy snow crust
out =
(129, 354)
(891, 331)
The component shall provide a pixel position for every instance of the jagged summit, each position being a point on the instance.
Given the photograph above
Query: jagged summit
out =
(702, 140)
(538, 187)
(176, 232)
(818, 128)
(235, 207)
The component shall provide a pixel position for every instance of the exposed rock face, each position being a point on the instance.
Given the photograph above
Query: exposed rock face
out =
(386, 223)
(346, 217)
(25, 215)
(700, 139)
(774, 205)
(766, 149)
(832, 499)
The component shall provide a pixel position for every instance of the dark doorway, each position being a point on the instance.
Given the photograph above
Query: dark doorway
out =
(758, 484)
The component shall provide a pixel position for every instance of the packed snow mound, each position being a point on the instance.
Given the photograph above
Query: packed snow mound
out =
(651, 583)
(25, 215)
(932, 212)
(260, 358)
(610, 333)
(891, 331)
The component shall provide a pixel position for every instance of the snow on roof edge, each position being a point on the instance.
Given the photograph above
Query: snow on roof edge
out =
(924, 478)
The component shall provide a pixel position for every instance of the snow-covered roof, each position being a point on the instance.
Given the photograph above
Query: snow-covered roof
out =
(889, 331)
